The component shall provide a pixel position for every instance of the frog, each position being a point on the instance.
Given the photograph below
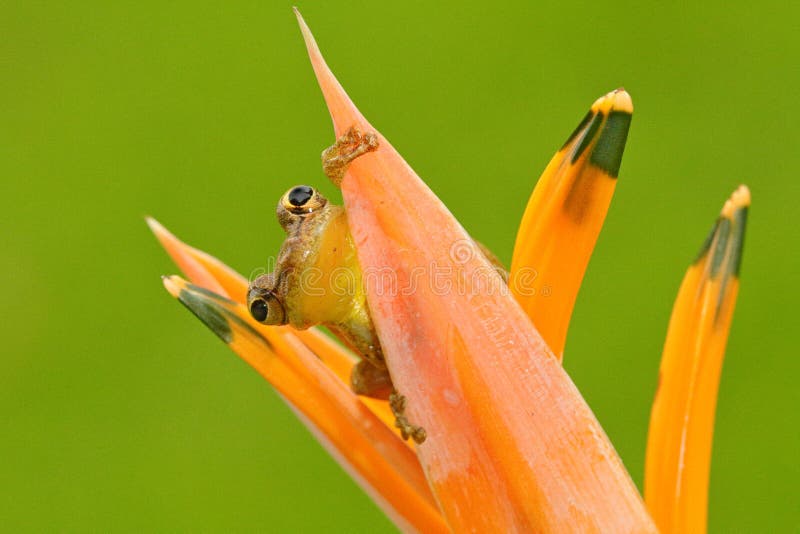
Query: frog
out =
(317, 279)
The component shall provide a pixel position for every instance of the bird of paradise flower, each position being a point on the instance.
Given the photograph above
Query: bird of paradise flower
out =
(512, 445)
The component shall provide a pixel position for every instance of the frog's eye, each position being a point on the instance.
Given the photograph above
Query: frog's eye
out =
(259, 309)
(300, 195)
(267, 310)
(302, 199)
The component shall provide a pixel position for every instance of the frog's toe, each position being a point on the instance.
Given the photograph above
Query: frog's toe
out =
(352, 144)
(407, 430)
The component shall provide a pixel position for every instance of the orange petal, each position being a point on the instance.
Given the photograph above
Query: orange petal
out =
(511, 443)
(682, 422)
(367, 449)
(190, 265)
(207, 271)
(564, 216)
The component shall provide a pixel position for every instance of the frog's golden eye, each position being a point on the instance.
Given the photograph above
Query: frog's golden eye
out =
(302, 199)
(264, 305)
(267, 310)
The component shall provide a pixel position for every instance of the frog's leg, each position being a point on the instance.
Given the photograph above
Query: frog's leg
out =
(371, 381)
(348, 147)
(397, 403)
(375, 382)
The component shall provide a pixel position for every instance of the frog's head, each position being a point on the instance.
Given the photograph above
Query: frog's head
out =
(315, 230)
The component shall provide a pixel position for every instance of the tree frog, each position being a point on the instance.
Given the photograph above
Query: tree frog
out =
(318, 280)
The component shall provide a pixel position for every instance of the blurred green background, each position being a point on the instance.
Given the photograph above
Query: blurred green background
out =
(120, 411)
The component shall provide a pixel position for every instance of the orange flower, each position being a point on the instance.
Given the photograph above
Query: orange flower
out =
(512, 445)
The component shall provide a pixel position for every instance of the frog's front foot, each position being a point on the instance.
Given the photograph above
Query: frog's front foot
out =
(397, 403)
(352, 144)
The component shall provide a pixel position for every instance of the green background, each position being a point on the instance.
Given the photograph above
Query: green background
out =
(119, 410)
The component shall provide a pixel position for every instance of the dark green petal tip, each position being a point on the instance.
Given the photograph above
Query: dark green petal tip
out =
(216, 312)
(720, 246)
(579, 129)
(725, 242)
(607, 153)
(707, 243)
(587, 138)
(737, 238)
(208, 311)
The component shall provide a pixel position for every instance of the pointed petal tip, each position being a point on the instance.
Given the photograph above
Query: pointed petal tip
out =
(617, 100)
(724, 244)
(184, 257)
(164, 236)
(612, 118)
(174, 246)
(154, 225)
(173, 284)
(307, 36)
(343, 112)
(739, 199)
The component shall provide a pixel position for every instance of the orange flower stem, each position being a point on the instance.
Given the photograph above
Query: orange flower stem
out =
(678, 459)
(564, 216)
